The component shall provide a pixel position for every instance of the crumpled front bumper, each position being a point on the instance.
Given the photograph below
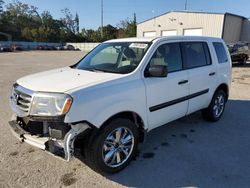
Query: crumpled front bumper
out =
(60, 148)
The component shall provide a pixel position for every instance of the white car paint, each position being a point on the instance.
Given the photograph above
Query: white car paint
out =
(97, 96)
(64, 79)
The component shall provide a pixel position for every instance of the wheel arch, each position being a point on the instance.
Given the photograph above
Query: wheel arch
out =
(224, 87)
(134, 117)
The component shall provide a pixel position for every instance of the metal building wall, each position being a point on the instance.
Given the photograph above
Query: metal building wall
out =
(245, 32)
(212, 24)
(232, 28)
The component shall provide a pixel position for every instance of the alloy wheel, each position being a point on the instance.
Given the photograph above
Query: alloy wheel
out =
(118, 147)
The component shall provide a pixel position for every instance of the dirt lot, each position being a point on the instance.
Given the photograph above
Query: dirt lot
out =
(187, 152)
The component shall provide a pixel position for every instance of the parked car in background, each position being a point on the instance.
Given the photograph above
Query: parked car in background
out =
(124, 88)
(5, 48)
(40, 47)
(16, 47)
(46, 47)
(69, 47)
(239, 53)
(60, 47)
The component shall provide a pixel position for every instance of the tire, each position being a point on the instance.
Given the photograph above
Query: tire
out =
(214, 112)
(243, 61)
(101, 152)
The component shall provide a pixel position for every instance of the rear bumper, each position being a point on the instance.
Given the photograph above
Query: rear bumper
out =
(59, 148)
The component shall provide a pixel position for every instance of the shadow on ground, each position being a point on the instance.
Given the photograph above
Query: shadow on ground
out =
(193, 152)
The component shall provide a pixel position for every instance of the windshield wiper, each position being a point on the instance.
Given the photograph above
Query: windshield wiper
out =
(101, 70)
(95, 70)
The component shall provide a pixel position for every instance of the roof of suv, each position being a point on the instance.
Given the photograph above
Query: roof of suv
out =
(154, 39)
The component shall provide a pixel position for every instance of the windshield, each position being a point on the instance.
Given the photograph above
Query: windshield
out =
(121, 58)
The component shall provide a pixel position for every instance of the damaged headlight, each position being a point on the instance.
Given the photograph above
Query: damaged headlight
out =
(50, 104)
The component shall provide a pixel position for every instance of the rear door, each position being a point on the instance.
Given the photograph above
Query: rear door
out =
(201, 73)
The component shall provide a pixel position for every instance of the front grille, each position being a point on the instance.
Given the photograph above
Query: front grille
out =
(22, 99)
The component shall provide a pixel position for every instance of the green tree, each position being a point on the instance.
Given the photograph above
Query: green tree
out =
(68, 21)
(90, 35)
(127, 28)
(50, 28)
(1, 6)
(70, 26)
(77, 22)
(18, 16)
(109, 32)
(1, 18)
(23, 22)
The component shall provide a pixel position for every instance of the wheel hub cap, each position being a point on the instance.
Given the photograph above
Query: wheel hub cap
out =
(218, 105)
(118, 147)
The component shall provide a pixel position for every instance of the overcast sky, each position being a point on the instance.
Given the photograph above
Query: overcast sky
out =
(116, 10)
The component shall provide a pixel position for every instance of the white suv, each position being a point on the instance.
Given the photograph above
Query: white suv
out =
(109, 100)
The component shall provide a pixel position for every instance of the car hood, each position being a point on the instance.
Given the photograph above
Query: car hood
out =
(64, 79)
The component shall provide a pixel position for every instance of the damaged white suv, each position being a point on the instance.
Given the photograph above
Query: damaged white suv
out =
(107, 102)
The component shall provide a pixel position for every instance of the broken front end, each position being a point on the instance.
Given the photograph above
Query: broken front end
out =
(39, 121)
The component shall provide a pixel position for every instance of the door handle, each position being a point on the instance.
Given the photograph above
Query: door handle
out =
(212, 74)
(183, 82)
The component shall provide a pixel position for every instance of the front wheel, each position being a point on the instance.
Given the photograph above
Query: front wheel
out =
(113, 147)
(216, 108)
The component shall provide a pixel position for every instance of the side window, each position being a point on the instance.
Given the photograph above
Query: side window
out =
(220, 52)
(169, 55)
(195, 54)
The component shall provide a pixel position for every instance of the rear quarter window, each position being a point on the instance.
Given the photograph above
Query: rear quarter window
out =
(220, 52)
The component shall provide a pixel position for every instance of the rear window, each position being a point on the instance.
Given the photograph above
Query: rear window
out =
(195, 54)
(220, 52)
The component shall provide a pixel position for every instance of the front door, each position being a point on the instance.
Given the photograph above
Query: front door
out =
(166, 96)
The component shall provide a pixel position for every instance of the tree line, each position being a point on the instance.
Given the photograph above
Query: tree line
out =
(24, 23)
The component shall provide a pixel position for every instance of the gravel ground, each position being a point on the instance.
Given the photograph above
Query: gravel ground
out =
(186, 153)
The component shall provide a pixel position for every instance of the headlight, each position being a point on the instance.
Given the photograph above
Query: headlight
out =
(50, 104)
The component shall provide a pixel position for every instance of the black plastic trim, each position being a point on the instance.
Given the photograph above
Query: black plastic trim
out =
(173, 102)
(47, 118)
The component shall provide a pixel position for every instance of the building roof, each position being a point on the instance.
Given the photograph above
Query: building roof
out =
(194, 12)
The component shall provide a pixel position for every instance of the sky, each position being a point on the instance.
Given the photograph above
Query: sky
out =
(116, 10)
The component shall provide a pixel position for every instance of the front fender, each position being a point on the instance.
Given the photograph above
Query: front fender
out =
(102, 115)
(98, 104)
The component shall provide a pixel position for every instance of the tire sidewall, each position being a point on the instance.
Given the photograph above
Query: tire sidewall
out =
(104, 132)
(219, 92)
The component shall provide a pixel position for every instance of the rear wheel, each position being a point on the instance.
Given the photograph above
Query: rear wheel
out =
(243, 61)
(216, 108)
(113, 147)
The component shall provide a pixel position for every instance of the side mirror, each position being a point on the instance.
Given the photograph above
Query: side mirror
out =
(156, 71)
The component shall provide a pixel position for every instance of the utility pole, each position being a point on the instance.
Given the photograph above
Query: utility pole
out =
(101, 18)
(186, 4)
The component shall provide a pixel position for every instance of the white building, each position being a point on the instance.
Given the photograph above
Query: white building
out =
(232, 28)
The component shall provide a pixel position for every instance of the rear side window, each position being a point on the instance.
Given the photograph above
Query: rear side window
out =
(220, 52)
(195, 54)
